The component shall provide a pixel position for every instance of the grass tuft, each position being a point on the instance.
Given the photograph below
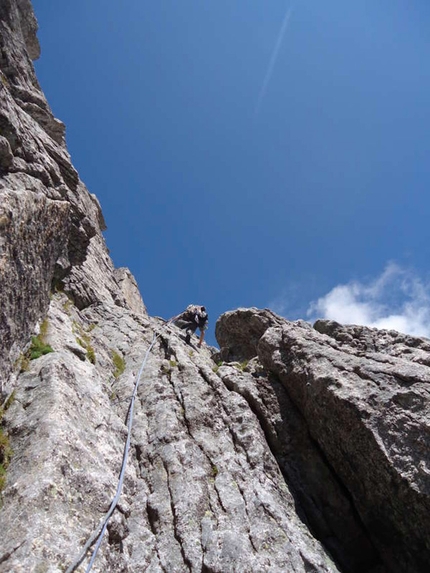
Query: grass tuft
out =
(38, 348)
(119, 363)
(5, 451)
(84, 340)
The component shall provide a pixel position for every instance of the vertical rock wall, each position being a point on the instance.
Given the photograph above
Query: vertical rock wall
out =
(363, 395)
(50, 226)
(203, 490)
(292, 449)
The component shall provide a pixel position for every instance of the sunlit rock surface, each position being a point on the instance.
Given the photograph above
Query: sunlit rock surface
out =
(292, 448)
(50, 226)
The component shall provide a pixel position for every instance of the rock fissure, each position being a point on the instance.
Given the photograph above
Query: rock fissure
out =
(234, 438)
(306, 454)
(9, 554)
(245, 504)
(176, 532)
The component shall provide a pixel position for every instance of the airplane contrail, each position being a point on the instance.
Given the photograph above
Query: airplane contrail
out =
(273, 59)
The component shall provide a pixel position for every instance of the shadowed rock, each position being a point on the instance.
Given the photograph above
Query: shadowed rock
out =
(364, 396)
(305, 451)
(50, 226)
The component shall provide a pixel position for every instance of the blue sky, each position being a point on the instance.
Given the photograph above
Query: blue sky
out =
(253, 152)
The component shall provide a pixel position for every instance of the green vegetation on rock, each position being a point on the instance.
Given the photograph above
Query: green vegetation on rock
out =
(119, 363)
(38, 346)
(5, 449)
(84, 340)
(5, 455)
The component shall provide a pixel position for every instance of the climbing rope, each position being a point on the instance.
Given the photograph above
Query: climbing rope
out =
(99, 532)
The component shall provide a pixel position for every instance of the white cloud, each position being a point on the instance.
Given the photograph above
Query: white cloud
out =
(396, 300)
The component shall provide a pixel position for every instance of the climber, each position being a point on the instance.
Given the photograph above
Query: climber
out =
(194, 317)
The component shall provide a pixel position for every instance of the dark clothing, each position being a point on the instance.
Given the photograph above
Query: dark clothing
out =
(193, 318)
(186, 325)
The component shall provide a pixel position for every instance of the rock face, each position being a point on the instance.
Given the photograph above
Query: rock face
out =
(367, 404)
(203, 491)
(293, 448)
(50, 226)
(364, 397)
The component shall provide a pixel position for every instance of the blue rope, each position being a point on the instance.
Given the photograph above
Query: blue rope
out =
(99, 532)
